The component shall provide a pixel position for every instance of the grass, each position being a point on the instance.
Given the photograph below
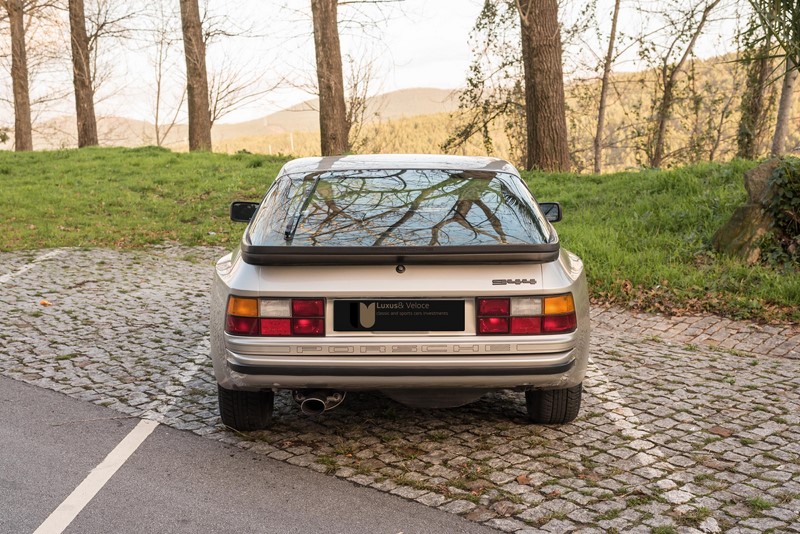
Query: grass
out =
(644, 235)
(118, 197)
(759, 504)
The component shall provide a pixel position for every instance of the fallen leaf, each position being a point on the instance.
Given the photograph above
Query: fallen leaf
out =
(721, 431)
(45, 302)
(523, 479)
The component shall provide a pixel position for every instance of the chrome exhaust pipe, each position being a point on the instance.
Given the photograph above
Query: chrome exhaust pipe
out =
(317, 401)
(312, 406)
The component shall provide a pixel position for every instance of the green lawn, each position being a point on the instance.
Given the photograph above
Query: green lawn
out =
(121, 197)
(643, 235)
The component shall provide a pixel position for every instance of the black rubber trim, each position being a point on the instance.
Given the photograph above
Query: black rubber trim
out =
(295, 370)
(289, 255)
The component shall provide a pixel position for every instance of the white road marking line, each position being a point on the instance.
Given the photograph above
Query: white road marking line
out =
(68, 510)
(25, 268)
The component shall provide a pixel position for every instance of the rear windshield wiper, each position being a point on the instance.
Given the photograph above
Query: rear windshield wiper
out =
(294, 222)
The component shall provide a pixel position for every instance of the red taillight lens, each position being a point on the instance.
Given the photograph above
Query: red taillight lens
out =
(308, 327)
(308, 308)
(526, 325)
(526, 315)
(554, 324)
(494, 307)
(248, 316)
(493, 325)
(276, 327)
(241, 326)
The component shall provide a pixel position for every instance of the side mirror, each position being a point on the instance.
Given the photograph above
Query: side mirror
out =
(552, 211)
(243, 211)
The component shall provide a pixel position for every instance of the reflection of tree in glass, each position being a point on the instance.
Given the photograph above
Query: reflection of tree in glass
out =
(412, 207)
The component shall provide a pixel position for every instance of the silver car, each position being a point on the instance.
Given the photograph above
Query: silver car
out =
(433, 279)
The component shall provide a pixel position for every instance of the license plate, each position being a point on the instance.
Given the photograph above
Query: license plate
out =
(404, 315)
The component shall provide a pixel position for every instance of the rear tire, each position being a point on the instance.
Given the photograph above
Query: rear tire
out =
(553, 406)
(245, 410)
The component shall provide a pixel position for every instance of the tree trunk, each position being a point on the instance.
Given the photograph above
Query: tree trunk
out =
(23, 137)
(545, 115)
(333, 127)
(784, 108)
(670, 77)
(753, 106)
(196, 77)
(662, 117)
(601, 110)
(81, 76)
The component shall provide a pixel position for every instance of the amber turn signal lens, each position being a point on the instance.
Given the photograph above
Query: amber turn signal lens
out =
(558, 305)
(243, 307)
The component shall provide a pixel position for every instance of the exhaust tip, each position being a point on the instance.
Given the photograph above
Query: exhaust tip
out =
(312, 406)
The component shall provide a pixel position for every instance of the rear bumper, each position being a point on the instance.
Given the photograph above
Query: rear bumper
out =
(396, 363)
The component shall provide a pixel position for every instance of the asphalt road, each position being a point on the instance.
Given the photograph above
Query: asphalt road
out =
(175, 481)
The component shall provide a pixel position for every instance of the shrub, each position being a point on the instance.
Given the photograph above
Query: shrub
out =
(784, 206)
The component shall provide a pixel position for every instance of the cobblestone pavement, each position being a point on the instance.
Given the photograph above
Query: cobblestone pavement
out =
(674, 435)
(737, 336)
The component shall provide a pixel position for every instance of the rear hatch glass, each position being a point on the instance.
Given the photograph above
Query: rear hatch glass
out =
(398, 208)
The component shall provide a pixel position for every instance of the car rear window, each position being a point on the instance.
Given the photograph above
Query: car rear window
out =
(389, 208)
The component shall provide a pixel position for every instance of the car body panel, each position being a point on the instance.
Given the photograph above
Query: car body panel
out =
(399, 348)
(386, 360)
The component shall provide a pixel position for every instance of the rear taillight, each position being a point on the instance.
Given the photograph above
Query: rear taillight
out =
(526, 315)
(275, 317)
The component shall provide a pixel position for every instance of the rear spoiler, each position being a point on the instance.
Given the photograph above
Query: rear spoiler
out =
(420, 255)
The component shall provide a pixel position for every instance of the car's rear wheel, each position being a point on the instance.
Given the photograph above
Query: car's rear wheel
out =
(245, 410)
(553, 406)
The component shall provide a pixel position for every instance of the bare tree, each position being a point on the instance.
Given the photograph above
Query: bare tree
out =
(108, 22)
(754, 106)
(196, 77)
(333, 125)
(494, 92)
(601, 109)
(164, 37)
(784, 108)
(231, 87)
(781, 22)
(669, 72)
(544, 85)
(23, 136)
(82, 77)
(359, 81)
(754, 46)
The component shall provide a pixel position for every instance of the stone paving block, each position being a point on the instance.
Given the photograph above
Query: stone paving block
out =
(669, 424)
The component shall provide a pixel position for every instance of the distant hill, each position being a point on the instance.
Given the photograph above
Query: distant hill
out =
(703, 126)
(303, 117)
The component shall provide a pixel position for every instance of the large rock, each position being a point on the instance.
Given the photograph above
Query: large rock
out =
(756, 182)
(741, 235)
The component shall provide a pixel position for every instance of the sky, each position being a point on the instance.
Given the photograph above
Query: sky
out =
(413, 43)
(425, 43)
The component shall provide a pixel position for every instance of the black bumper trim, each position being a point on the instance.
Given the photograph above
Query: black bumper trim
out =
(295, 370)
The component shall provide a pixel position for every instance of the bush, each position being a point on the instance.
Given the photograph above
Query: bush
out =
(784, 207)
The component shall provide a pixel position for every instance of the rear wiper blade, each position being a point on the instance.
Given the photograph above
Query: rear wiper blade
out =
(294, 222)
